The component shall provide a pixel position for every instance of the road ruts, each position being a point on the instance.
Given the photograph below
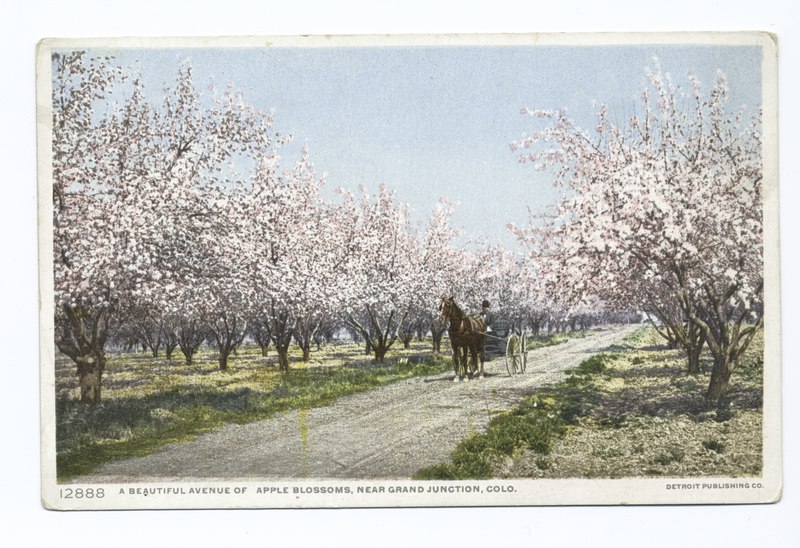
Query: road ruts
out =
(388, 432)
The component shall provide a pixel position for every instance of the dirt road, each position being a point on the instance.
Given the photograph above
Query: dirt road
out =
(389, 432)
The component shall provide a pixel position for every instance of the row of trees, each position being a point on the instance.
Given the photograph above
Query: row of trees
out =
(176, 224)
(663, 214)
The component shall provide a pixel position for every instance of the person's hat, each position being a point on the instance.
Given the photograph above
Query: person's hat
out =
(485, 304)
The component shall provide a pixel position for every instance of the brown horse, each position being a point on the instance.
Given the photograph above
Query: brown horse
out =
(466, 335)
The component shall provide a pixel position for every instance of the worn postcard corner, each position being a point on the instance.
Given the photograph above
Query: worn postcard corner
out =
(409, 271)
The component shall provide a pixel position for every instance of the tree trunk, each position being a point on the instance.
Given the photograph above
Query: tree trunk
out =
(260, 331)
(228, 333)
(693, 359)
(319, 338)
(223, 358)
(170, 344)
(304, 333)
(437, 333)
(283, 359)
(189, 338)
(720, 376)
(437, 343)
(81, 334)
(90, 372)
(724, 330)
(380, 334)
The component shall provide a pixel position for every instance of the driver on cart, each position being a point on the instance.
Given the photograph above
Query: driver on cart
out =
(486, 315)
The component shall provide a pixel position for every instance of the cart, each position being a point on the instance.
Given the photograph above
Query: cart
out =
(500, 341)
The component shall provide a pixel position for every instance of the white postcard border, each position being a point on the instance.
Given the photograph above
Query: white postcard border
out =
(402, 493)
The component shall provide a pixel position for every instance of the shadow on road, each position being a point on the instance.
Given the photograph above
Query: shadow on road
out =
(449, 378)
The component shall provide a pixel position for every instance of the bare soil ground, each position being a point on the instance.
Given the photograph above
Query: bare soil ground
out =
(389, 432)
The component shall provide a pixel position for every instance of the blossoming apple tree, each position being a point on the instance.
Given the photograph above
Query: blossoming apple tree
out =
(297, 245)
(663, 213)
(381, 275)
(122, 171)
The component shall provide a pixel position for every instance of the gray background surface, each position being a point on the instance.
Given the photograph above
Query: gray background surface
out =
(26, 523)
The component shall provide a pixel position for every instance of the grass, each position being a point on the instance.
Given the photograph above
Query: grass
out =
(551, 340)
(534, 426)
(631, 411)
(149, 402)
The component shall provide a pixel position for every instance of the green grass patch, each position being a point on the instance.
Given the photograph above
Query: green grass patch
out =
(630, 411)
(636, 338)
(534, 344)
(594, 365)
(542, 341)
(135, 423)
(534, 425)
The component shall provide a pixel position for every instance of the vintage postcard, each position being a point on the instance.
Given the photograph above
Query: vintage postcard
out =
(392, 271)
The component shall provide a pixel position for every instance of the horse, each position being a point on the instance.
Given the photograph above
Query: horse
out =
(466, 335)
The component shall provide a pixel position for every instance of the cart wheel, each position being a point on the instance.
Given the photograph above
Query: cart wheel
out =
(524, 350)
(514, 355)
(509, 356)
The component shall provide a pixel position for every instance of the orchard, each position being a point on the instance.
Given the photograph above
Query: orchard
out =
(179, 224)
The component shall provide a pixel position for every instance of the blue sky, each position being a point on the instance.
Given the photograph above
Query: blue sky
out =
(433, 121)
